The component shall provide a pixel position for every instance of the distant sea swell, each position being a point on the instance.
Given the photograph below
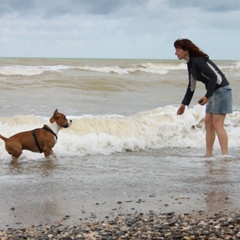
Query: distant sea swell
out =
(31, 67)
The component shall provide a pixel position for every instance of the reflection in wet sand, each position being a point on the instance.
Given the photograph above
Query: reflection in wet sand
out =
(217, 171)
(43, 167)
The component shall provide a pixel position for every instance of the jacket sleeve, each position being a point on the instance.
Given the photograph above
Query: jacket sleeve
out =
(190, 91)
(207, 71)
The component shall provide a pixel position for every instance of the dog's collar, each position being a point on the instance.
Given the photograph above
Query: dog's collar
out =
(47, 128)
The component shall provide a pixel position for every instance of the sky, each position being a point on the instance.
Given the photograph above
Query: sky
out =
(133, 29)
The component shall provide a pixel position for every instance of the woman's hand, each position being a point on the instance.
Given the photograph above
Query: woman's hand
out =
(203, 100)
(181, 109)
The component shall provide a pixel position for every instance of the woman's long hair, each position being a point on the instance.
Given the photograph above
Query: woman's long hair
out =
(188, 45)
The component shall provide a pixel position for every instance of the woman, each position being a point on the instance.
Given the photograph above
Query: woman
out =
(218, 92)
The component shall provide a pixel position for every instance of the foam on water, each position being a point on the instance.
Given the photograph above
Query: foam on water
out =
(153, 67)
(106, 134)
(131, 103)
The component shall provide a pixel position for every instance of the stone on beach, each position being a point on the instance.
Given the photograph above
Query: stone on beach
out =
(137, 226)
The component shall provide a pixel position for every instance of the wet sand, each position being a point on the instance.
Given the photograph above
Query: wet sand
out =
(100, 188)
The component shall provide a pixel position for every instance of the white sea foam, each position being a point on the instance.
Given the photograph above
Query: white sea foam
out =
(107, 134)
(116, 105)
(30, 70)
(153, 67)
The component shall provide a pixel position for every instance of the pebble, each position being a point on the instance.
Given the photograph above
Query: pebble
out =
(166, 226)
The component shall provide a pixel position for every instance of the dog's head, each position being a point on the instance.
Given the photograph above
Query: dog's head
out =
(60, 119)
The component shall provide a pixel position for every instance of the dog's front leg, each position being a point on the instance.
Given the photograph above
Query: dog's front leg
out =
(48, 152)
(14, 161)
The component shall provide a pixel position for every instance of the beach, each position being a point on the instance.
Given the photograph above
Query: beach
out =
(43, 194)
(43, 198)
(126, 157)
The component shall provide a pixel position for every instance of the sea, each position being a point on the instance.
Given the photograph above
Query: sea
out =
(116, 105)
(125, 126)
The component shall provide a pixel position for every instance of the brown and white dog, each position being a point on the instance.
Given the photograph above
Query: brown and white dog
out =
(38, 140)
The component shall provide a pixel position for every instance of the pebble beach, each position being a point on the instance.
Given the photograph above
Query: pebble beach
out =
(42, 200)
(177, 207)
(138, 226)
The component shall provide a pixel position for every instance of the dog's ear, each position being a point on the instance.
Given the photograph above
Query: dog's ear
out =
(56, 112)
(54, 116)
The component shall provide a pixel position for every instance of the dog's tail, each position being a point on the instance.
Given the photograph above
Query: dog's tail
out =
(3, 138)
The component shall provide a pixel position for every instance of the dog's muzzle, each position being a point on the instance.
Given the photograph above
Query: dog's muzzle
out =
(68, 124)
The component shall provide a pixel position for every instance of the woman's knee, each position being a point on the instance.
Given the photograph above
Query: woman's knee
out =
(218, 121)
(208, 121)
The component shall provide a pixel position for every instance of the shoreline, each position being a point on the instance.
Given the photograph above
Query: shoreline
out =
(97, 192)
(220, 225)
(124, 216)
(94, 205)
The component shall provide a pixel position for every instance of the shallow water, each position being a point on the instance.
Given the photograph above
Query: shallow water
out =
(90, 187)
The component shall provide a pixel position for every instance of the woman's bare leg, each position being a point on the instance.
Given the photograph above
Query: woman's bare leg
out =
(218, 122)
(210, 134)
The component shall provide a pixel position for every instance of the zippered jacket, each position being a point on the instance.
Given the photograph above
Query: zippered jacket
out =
(205, 71)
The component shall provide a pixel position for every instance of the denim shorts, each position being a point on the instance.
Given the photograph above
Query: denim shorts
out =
(221, 101)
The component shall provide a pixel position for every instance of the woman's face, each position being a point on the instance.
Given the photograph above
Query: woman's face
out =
(182, 54)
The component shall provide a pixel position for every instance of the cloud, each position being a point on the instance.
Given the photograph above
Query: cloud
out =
(56, 8)
(111, 28)
(206, 5)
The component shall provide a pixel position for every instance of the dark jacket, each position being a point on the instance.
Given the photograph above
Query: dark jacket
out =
(205, 71)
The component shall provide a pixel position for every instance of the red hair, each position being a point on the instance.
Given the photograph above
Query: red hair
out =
(188, 45)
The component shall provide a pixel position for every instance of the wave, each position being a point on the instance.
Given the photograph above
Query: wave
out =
(32, 67)
(107, 134)
(115, 67)
(153, 68)
(20, 70)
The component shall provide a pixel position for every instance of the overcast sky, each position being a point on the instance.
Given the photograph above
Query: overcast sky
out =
(144, 29)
